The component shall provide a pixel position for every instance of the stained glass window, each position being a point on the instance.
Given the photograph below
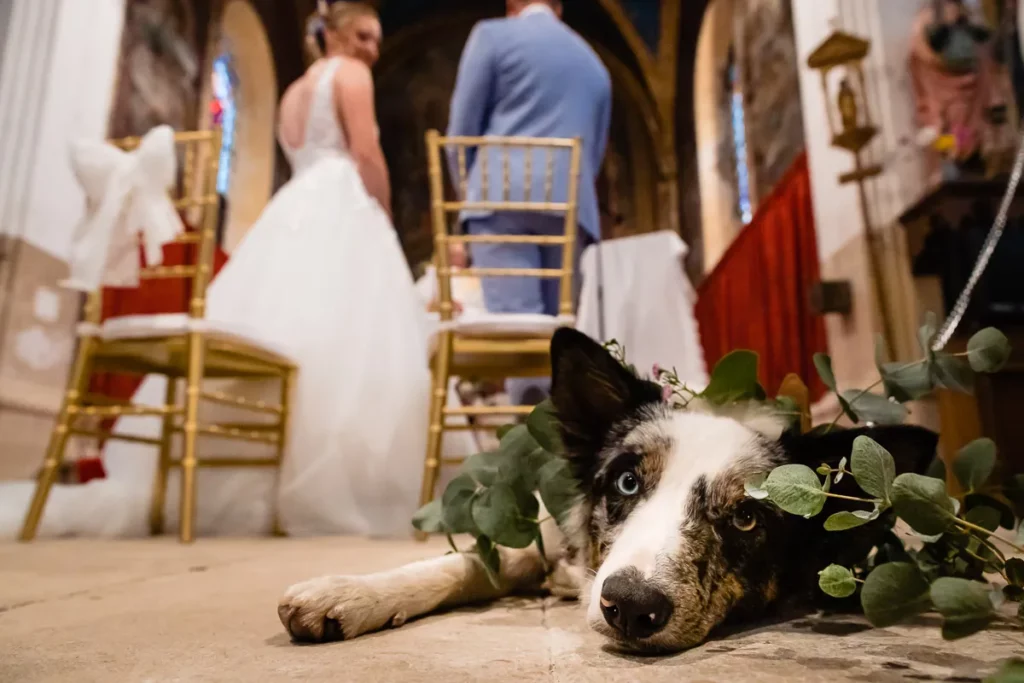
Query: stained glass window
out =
(739, 141)
(225, 85)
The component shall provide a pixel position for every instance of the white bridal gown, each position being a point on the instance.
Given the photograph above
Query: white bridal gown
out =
(322, 277)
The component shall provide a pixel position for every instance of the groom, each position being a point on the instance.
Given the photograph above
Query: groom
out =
(529, 75)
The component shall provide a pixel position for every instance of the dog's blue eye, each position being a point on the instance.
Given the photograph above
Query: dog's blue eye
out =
(627, 484)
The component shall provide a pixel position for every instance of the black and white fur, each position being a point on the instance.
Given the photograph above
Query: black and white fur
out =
(664, 545)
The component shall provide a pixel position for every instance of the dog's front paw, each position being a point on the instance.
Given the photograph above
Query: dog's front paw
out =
(334, 608)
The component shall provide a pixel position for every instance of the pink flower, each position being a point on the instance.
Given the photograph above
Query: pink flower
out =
(656, 371)
(666, 393)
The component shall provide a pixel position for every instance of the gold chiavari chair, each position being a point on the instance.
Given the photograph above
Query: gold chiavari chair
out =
(180, 347)
(495, 346)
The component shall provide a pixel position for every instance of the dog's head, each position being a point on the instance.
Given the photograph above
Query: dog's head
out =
(677, 545)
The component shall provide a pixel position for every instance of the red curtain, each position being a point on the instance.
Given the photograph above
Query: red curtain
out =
(757, 297)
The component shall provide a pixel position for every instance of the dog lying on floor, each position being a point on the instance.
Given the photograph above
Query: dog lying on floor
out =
(664, 545)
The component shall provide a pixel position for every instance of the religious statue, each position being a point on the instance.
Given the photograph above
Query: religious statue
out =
(956, 84)
(847, 103)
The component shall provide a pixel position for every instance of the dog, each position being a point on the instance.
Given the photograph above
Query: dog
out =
(664, 545)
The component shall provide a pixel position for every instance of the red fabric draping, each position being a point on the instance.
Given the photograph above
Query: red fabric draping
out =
(151, 296)
(757, 296)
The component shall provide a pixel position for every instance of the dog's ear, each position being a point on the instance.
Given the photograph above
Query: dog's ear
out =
(913, 448)
(591, 390)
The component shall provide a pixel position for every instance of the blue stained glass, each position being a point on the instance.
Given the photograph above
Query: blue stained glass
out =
(739, 141)
(224, 85)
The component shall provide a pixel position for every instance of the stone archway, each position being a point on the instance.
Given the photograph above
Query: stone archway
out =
(243, 36)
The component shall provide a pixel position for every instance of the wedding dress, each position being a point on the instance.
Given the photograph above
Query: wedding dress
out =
(321, 276)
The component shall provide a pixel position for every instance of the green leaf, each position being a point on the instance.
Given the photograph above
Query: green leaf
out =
(490, 558)
(953, 373)
(430, 518)
(902, 381)
(875, 408)
(936, 469)
(988, 350)
(1015, 571)
(504, 429)
(965, 605)
(974, 463)
(518, 442)
(796, 489)
(558, 489)
(907, 381)
(1012, 671)
(837, 581)
(873, 467)
(506, 515)
(542, 424)
(734, 378)
(483, 467)
(456, 505)
(841, 521)
(984, 516)
(893, 592)
(1007, 520)
(926, 334)
(922, 503)
(823, 364)
(754, 487)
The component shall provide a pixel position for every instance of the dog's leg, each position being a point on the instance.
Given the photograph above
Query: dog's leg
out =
(340, 607)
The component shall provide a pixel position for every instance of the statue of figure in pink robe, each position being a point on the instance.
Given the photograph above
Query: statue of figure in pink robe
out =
(955, 79)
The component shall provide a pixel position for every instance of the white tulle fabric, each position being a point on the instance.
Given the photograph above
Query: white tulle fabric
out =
(322, 276)
(126, 194)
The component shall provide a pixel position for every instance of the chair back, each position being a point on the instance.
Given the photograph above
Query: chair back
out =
(535, 158)
(194, 192)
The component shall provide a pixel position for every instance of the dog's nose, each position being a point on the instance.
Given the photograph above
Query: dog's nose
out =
(632, 606)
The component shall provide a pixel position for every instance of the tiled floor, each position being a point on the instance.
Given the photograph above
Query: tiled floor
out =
(157, 611)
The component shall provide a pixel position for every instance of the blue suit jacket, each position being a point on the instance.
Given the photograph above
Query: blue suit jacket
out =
(532, 76)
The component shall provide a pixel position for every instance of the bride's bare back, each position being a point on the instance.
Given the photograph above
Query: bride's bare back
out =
(353, 102)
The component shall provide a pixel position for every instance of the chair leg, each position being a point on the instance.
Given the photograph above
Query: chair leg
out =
(77, 385)
(156, 510)
(189, 459)
(435, 433)
(287, 384)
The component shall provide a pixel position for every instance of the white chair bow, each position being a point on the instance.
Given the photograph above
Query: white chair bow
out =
(126, 193)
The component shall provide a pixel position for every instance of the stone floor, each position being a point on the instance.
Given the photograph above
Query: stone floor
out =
(158, 611)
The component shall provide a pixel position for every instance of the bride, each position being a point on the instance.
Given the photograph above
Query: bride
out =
(321, 274)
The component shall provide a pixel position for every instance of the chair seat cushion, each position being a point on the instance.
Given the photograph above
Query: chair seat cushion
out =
(169, 324)
(513, 325)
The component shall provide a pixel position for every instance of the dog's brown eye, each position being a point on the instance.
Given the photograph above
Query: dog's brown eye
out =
(627, 484)
(744, 520)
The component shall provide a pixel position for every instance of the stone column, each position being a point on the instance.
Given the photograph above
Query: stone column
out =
(57, 76)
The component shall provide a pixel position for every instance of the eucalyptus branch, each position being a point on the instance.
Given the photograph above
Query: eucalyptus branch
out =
(860, 395)
(872, 501)
(974, 527)
(979, 558)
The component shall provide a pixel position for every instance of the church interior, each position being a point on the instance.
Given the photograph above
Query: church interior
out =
(789, 155)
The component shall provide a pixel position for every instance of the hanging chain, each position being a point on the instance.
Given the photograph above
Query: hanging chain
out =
(957, 314)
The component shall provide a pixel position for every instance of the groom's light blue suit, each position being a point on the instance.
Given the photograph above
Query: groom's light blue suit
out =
(533, 76)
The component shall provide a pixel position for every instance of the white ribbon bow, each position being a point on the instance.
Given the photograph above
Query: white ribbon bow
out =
(126, 193)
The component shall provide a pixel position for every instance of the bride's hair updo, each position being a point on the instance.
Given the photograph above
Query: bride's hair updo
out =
(335, 16)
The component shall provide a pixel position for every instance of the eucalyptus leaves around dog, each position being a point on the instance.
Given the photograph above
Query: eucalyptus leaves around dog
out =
(493, 497)
(960, 543)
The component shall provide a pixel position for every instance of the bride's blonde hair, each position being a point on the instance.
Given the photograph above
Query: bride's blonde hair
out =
(334, 16)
